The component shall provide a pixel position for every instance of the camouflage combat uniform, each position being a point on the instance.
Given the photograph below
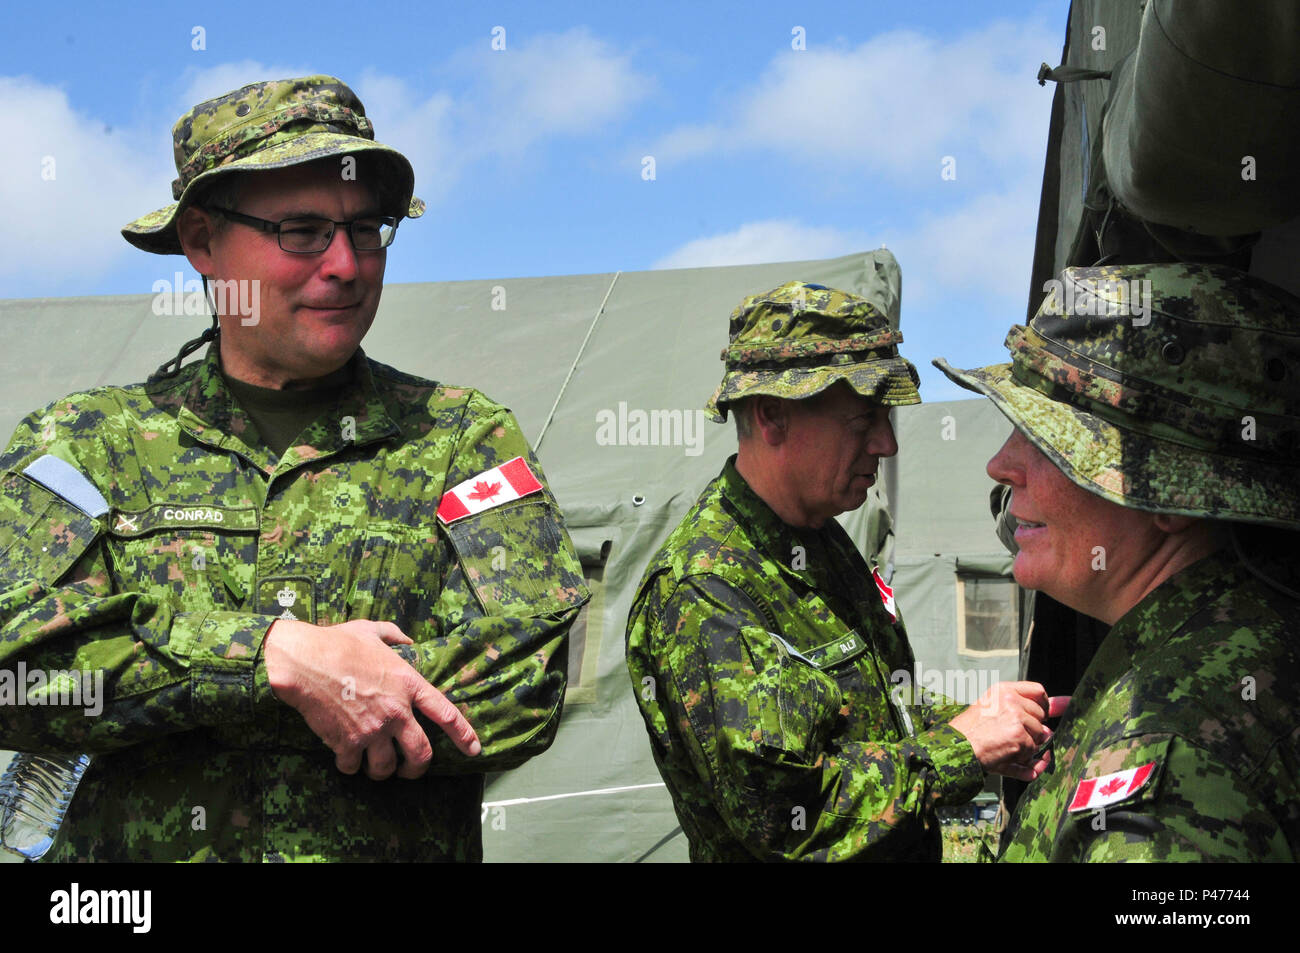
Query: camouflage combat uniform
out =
(1188, 714)
(770, 675)
(767, 694)
(208, 539)
(1170, 388)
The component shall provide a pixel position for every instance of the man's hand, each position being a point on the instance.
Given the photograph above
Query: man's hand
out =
(357, 695)
(1005, 727)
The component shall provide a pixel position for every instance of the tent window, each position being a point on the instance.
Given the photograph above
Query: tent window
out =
(988, 616)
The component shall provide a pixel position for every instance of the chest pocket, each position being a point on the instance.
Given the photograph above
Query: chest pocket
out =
(395, 575)
(868, 711)
(206, 556)
(796, 705)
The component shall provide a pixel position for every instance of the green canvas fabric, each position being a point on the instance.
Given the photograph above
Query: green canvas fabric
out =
(1206, 89)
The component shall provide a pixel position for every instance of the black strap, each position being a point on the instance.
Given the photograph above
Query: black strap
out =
(173, 366)
(1069, 74)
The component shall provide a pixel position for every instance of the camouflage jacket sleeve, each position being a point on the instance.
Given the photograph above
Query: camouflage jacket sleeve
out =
(149, 669)
(764, 730)
(941, 712)
(497, 647)
(1195, 808)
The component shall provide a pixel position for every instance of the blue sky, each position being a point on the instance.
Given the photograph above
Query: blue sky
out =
(531, 158)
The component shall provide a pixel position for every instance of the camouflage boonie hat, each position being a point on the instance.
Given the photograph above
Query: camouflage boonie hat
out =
(796, 340)
(1171, 388)
(270, 125)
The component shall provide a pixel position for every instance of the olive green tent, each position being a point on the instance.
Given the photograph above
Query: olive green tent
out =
(606, 374)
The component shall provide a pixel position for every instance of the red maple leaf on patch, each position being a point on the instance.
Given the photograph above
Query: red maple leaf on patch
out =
(484, 490)
(1111, 786)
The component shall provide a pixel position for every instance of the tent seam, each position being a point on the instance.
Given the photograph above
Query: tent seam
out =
(577, 357)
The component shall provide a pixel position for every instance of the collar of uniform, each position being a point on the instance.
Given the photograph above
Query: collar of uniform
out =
(777, 538)
(1165, 608)
(362, 418)
(211, 414)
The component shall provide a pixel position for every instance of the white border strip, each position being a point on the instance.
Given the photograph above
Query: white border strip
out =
(556, 797)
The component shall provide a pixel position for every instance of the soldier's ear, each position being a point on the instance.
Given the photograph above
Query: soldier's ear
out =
(771, 419)
(195, 229)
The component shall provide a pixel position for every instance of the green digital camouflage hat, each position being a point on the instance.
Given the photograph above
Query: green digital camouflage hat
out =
(800, 338)
(269, 125)
(1171, 388)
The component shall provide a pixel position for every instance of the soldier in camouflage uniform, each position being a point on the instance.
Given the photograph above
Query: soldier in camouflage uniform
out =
(765, 653)
(1153, 472)
(385, 583)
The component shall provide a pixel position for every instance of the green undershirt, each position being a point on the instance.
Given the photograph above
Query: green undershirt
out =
(281, 415)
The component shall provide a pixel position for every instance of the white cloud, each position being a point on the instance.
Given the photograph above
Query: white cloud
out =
(69, 182)
(548, 86)
(986, 243)
(420, 126)
(760, 242)
(983, 248)
(553, 85)
(896, 104)
(558, 83)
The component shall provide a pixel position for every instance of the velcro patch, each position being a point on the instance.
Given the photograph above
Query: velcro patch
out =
(1093, 793)
(62, 478)
(510, 481)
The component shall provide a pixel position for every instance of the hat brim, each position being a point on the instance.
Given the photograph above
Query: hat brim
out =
(891, 382)
(1133, 469)
(156, 232)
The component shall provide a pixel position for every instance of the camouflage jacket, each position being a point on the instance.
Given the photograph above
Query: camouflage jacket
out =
(763, 661)
(1181, 741)
(207, 540)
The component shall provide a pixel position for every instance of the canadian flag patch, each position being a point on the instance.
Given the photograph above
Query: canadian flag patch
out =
(886, 594)
(490, 488)
(1093, 793)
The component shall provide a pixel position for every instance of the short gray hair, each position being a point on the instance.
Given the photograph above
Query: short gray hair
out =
(742, 412)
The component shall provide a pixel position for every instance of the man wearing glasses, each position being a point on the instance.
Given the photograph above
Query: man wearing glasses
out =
(325, 596)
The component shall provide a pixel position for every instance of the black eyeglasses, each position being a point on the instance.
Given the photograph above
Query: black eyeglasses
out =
(307, 236)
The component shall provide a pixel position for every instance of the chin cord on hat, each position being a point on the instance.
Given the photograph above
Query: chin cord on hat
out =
(172, 367)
